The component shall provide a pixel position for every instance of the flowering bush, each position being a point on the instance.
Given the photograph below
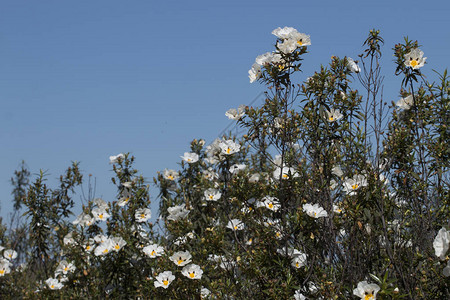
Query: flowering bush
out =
(329, 194)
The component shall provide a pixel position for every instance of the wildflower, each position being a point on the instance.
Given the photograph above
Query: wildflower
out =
(254, 73)
(285, 173)
(124, 197)
(104, 248)
(64, 267)
(405, 103)
(254, 178)
(153, 250)
(299, 296)
(100, 214)
(4, 268)
(181, 258)
(177, 212)
(235, 225)
(164, 279)
(170, 174)
(366, 291)
(314, 211)
(204, 292)
(68, 239)
(115, 158)
(118, 242)
(352, 65)
(271, 203)
(415, 59)
(10, 254)
(336, 170)
(236, 114)
(353, 184)
(190, 157)
(102, 204)
(441, 243)
(284, 33)
(88, 245)
(229, 147)
(142, 215)
(210, 174)
(333, 115)
(54, 284)
(212, 194)
(299, 260)
(337, 209)
(237, 167)
(84, 220)
(192, 271)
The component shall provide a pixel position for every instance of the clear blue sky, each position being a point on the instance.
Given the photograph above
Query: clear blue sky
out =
(83, 80)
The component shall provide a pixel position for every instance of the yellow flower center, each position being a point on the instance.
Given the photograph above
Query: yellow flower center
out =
(235, 227)
(300, 42)
(368, 296)
(165, 282)
(66, 268)
(88, 247)
(180, 261)
(170, 177)
(117, 246)
(105, 251)
(2, 271)
(153, 253)
(270, 205)
(228, 150)
(142, 216)
(331, 118)
(192, 275)
(211, 197)
(52, 286)
(355, 186)
(297, 265)
(413, 63)
(285, 176)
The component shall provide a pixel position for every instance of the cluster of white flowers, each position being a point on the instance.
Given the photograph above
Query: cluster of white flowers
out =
(235, 114)
(441, 245)
(6, 261)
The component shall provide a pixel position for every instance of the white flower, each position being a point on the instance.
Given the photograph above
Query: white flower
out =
(170, 174)
(337, 209)
(68, 239)
(104, 248)
(84, 220)
(64, 267)
(271, 203)
(192, 271)
(4, 267)
(284, 33)
(336, 170)
(235, 225)
(142, 215)
(266, 58)
(415, 59)
(164, 279)
(212, 194)
(210, 174)
(190, 157)
(204, 292)
(333, 115)
(124, 198)
(153, 250)
(181, 258)
(314, 211)
(284, 173)
(177, 212)
(299, 260)
(300, 39)
(229, 147)
(366, 291)
(101, 203)
(54, 284)
(100, 214)
(405, 103)
(254, 178)
(353, 184)
(287, 46)
(236, 114)
(299, 296)
(441, 243)
(237, 167)
(118, 243)
(115, 158)
(10, 254)
(254, 73)
(352, 65)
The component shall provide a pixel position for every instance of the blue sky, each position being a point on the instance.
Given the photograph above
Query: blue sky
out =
(83, 80)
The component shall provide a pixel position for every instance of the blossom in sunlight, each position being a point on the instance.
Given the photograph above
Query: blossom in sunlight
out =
(415, 59)
(298, 260)
(333, 115)
(405, 103)
(125, 197)
(337, 209)
(192, 271)
(229, 147)
(235, 114)
(204, 293)
(235, 225)
(177, 212)
(366, 291)
(190, 157)
(68, 239)
(441, 243)
(164, 279)
(101, 203)
(271, 203)
(336, 170)
(352, 65)
(100, 214)
(254, 178)
(254, 73)
(212, 194)
(314, 210)
(153, 250)
(210, 174)
(4, 268)
(118, 242)
(181, 258)
(104, 248)
(170, 174)
(299, 296)
(237, 167)
(351, 185)
(88, 246)
(64, 267)
(115, 158)
(142, 215)
(284, 33)
(54, 284)
(9, 254)
(285, 173)
(84, 220)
